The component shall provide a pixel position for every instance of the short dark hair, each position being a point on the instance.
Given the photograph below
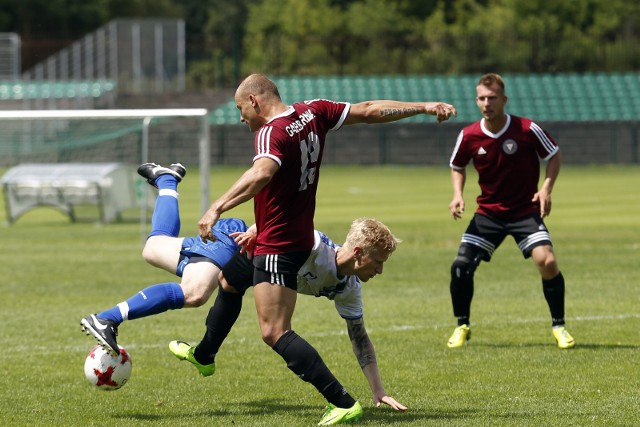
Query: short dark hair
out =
(490, 79)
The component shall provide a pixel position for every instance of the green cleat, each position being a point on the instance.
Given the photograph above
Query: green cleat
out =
(334, 415)
(184, 351)
(563, 337)
(460, 335)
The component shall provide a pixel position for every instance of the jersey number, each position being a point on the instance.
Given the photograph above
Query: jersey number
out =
(309, 151)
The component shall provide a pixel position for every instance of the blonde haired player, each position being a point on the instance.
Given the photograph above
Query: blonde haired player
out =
(332, 271)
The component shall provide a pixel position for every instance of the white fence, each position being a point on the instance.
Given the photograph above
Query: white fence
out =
(10, 55)
(138, 55)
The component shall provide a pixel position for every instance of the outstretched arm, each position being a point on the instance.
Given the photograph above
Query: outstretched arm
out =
(366, 355)
(384, 111)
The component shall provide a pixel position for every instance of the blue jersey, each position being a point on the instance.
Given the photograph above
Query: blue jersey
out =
(219, 252)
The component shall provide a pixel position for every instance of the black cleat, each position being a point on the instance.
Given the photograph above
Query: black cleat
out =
(151, 171)
(104, 331)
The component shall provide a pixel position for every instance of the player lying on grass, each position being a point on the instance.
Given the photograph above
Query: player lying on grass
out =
(196, 262)
(332, 271)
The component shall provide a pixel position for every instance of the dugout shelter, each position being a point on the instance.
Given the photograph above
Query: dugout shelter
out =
(107, 186)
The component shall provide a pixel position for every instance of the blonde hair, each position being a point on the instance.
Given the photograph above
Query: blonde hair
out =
(370, 234)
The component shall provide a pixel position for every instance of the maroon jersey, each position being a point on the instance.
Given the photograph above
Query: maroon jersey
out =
(284, 209)
(508, 164)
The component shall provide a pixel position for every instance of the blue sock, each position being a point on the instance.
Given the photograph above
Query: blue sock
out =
(167, 182)
(149, 301)
(165, 220)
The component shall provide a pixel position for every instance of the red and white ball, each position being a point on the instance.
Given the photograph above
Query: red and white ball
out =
(106, 372)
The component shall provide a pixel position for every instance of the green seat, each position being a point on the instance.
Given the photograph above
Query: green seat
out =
(542, 97)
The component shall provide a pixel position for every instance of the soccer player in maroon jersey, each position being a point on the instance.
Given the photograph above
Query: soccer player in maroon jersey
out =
(505, 150)
(283, 180)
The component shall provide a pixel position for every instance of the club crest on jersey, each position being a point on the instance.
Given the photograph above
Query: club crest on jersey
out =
(510, 146)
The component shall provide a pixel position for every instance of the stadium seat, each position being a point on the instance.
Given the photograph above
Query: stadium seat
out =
(543, 97)
(55, 89)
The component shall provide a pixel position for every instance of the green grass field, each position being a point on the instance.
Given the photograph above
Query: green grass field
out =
(511, 374)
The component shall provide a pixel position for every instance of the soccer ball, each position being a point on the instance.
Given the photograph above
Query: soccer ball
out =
(106, 372)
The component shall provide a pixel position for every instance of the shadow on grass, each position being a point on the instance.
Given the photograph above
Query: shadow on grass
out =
(597, 346)
(378, 416)
(383, 416)
(579, 346)
(250, 408)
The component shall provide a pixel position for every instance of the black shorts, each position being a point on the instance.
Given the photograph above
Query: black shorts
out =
(487, 233)
(238, 272)
(241, 273)
(279, 269)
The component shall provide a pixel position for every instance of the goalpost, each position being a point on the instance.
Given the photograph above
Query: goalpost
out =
(134, 136)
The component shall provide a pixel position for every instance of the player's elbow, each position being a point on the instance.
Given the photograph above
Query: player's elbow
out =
(262, 178)
(261, 173)
(363, 112)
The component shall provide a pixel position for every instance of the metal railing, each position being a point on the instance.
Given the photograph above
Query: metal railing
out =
(10, 57)
(139, 55)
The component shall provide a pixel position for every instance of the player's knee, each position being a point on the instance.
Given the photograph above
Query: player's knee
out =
(226, 286)
(545, 261)
(269, 338)
(197, 300)
(548, 267)
(270, 335)
(196, 294)
(464, 267)
(149, 254)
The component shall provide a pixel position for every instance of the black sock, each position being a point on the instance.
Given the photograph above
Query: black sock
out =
(307, 364)
(220, 320)
(554, 294)
(461, 290)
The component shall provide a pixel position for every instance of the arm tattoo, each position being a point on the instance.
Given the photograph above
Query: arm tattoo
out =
(399, 111)
(362, 346)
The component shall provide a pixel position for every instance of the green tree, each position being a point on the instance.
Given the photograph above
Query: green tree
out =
(316, 37)
(293, 37)
(385, 38)
(223, 33)
(283, 37)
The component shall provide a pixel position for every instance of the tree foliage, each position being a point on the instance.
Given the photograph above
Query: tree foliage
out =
(441, 36)
(305, 37)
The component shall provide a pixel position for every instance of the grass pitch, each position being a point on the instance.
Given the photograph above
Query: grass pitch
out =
(54, 272)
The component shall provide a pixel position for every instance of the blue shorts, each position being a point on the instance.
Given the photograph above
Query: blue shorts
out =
(218, 252)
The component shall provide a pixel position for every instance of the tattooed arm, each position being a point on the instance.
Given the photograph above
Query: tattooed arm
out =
(366, 355)
(383, 111)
